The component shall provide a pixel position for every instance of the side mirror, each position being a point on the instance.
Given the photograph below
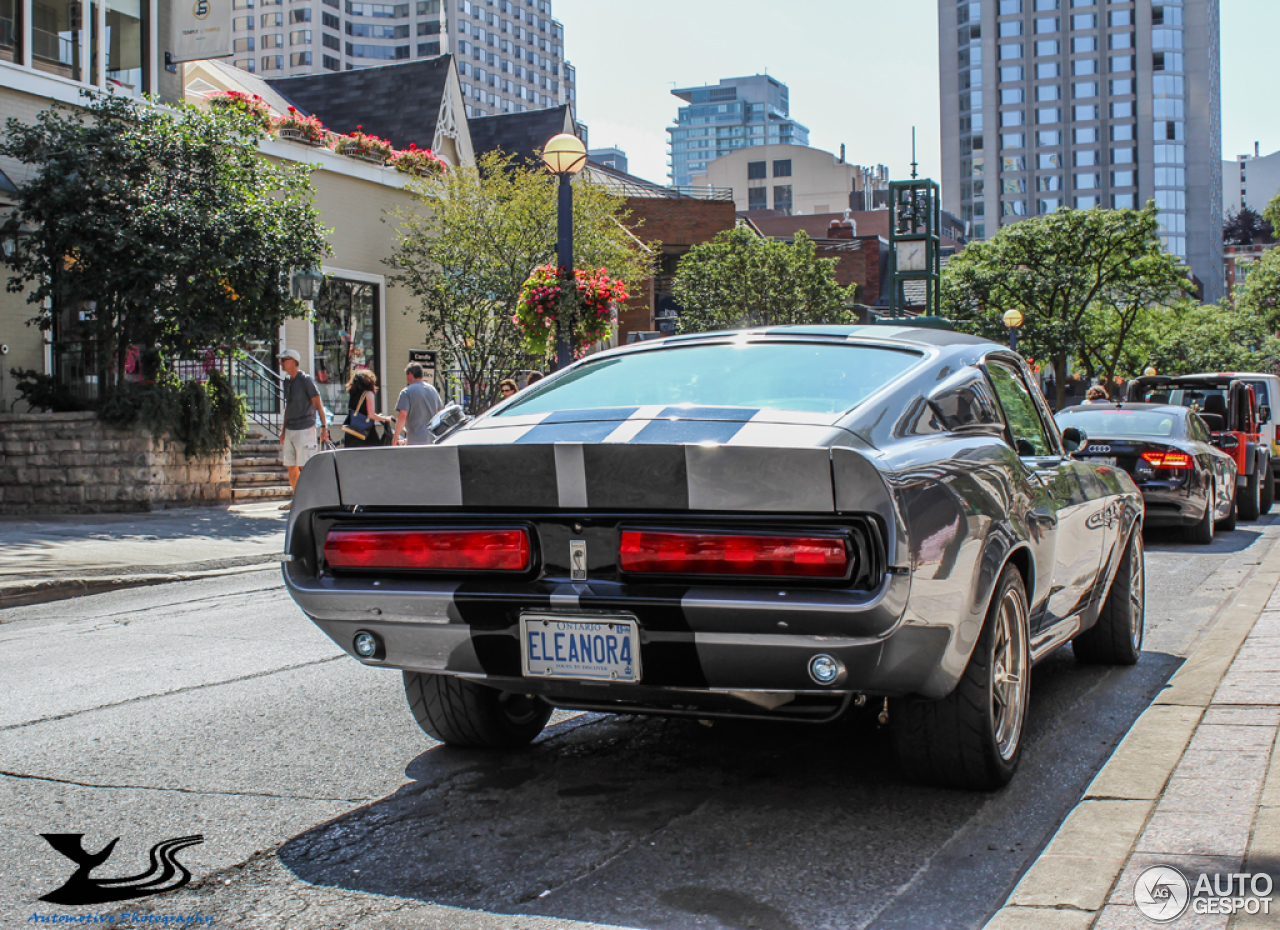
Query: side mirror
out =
(447, 420)
(1227, 441)
(1264, 413)
(1074, 439)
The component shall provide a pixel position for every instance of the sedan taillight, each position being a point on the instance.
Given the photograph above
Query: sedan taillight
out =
(488, 550)
(733, 554)
(1169, 458)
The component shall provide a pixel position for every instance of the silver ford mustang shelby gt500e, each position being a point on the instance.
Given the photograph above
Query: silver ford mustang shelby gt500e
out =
(779, 523)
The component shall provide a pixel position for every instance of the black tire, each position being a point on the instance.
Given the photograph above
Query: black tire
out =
(972, 738)
(1229, 523)
(1268, 489)
(1202, 532)
(462, 713)
(1249, 503)
(1116, 639)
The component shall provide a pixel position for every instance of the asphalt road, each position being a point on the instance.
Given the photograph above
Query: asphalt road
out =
(216, 708)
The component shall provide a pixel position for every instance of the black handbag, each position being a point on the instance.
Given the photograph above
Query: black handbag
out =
(359, 424)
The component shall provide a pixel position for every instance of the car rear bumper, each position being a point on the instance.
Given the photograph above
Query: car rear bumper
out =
(1170, 504)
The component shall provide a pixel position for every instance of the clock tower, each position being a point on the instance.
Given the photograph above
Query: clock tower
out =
(914, 245)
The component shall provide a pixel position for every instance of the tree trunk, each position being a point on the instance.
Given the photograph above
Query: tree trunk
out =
(1060, 379)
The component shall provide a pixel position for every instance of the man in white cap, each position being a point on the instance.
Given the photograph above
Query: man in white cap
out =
(301, 404)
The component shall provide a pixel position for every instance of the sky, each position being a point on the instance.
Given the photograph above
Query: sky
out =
(860, 72)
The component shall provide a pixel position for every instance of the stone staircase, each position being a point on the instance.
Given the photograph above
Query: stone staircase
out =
(256, 473)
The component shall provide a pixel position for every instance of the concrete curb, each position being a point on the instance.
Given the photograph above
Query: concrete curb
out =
(26, 593)
(1069, 884)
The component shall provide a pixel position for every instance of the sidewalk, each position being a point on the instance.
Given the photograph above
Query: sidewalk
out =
(50, 558)
(1195, 786)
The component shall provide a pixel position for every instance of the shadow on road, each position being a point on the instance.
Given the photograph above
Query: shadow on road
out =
(1172, 539)
(668, 823)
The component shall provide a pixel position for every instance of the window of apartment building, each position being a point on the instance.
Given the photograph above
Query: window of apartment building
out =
(1012, 73)
(331, 63)
(246, 64)
(1166, 16)
(1047, 70)
(329, 21)
(243, 24)
(1009, 7)
(300, 37)
(1121, 87)
(301, 15)
(1048, 115)
(1013, 186)
(1167, 61)
(782, 198)
(1083, 44)
(1048, 160)
(272, 62)
(757, 170)
(970, 34)
(1120, 18)
(1084, 21)
(382, 52)
(272, 41)
(1170, 177)
(1042, 5)
(1125, 155)
(1083, 89)
(242, 4)
(243, 45)
(1013, 140)
(330, 41)
(782, 168)
(269, 20)
(1011, 95)
(428, 7)
(1084, 67)
(1122, 132)
(1123, 178)
(1122, 109)
(1012, 118)
(1013, 163)
(1013, 208)
(384, 10)
(1086, 202)
(1049, 182)
(1167, 85)
(1011, 29)
(332, 3)
(1172, 108)
(1170, 200)
(1085, 135)
(377, 31)
(431, 28)
(1011, 51)
(1046, 47)
(1125, 40)
(1049, 204)
(1046, 24)
(1083, 112)
(757, 198)
(427, 49)
(1085, 158)
(1121, 63)
(1047, 137)
(1170, 130)
(300, 60)
(1124, 201)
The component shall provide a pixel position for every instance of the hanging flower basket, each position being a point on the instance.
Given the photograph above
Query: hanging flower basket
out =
(586, 300)
(422, 163)
(365, 147)
(234, 101)
(294, 127)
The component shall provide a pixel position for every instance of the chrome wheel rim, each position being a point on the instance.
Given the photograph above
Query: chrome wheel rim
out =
(1137, 593)
(1009, 675)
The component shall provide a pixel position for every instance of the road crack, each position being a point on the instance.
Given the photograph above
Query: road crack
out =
(224, 794)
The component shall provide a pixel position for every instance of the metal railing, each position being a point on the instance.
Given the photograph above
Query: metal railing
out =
(262, 388)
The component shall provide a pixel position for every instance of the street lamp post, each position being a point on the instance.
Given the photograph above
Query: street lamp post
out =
(1013, 320)
(565, 155)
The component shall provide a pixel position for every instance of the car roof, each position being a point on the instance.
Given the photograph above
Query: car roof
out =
(1152, 408)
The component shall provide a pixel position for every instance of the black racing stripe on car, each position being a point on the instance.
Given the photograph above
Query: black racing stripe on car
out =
(688, 431)
(709, 413)
(508, 476)
(569, 432)
(625, 476)
(615, 414)
(494, 625)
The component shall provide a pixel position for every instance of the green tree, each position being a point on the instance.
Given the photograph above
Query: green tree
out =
(1067, 273)
(478, 233)
(1272, 213)
(1260, 293)
(164, 227)
(740, 279)
(1191, 338)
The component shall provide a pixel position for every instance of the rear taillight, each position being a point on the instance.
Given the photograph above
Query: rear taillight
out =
(501, 550)
(1169, 458)
(733, 554)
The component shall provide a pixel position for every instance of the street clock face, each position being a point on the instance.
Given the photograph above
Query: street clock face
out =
(912, 256)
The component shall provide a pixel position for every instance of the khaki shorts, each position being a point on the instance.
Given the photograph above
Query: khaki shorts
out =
(299, 446)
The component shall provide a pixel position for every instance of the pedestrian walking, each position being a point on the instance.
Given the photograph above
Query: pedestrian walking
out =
(361, 426)
(301, 405)
(533, 376)
(418, 404)
(507, 387)
(1096, 395)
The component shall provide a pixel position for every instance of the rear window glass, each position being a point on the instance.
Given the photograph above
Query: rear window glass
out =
(1124, 423)
(1260, 391)
(818, 378)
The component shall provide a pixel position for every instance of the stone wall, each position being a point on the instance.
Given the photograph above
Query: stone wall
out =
(73, 463)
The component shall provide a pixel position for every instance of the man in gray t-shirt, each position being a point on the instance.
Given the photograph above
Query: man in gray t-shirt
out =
(301, 405)
(418, 405)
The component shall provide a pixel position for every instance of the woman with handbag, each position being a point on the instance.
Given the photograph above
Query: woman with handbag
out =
(361, 428)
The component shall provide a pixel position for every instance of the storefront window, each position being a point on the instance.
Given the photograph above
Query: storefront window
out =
(347, 333)
(57, 38)
(10, 33)
(125, 44)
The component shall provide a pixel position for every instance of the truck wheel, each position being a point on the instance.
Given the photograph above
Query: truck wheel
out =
(1268, 490)
(1116, 639)
(1202, 532)
(462, 713)
(972, 738)
(1249, 503)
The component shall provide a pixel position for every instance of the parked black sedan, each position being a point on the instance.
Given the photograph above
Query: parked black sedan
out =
(1185, 480)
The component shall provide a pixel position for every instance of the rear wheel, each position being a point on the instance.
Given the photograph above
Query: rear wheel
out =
(462, 713)
(1116, 639)
(1202, 532)
(1249, 499)
(972, 738)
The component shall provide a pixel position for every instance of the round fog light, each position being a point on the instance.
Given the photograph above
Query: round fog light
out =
(825, 669)
(367, 645)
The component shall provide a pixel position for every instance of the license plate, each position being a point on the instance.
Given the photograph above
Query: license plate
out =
(583, 648)
(1103, 459)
